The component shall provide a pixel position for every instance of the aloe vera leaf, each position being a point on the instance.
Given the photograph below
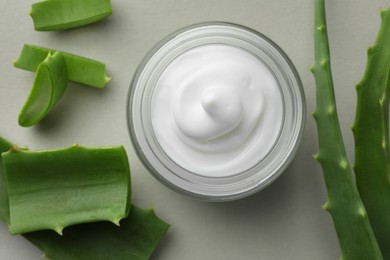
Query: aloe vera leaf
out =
(66, 14)
(356, 238)
(371, 128)
(4, 205)
(136, 238)
(80, 69)
(56, 188)
(49, 86)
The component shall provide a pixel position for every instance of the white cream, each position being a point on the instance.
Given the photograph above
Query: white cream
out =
(217, 110)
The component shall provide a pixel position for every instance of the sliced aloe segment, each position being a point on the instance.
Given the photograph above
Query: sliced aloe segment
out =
(57, 188)
(66, 14)
(80, 69)
(51, 81)
(4, 205)
(136, 238)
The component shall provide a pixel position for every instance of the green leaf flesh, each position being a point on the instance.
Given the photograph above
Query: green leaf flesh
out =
(49, 86)
(4, 204)
(80, 69)
(371, 130)
(67, 14)
(355, 234)
(57, 188)
(136, 238)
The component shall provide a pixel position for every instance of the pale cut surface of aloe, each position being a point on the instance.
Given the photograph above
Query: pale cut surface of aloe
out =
(57, 188)
(80, 69)
(50, 83)
(371, 132)
(67, 14)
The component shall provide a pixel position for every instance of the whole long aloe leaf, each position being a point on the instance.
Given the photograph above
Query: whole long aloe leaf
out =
(371, 129)
(356, 238)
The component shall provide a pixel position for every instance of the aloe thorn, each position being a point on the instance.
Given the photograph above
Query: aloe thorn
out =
(371, 128)
(356, 238)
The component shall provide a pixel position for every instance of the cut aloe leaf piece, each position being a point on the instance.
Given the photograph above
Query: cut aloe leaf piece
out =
(57, 188)
(80, 69)
(66, 14)
(51, 81)
(136, 238)
(4, 205)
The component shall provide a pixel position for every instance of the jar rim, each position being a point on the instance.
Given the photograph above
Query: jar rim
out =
(215, 188)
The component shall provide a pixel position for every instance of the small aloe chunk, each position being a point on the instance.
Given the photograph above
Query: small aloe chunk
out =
(51, 81)
(80, 69)
(56, 188)
(136, 238)
(66, 14)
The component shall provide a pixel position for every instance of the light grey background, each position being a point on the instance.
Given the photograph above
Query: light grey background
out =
(284, 221)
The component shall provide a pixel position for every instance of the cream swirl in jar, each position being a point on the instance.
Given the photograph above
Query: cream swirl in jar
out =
(216, 110)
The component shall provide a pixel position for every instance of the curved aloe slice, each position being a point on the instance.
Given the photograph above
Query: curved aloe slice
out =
(57, 188)
(136, 238)
(49, 85)
(371, 130)
(66, 14)
(80, 69)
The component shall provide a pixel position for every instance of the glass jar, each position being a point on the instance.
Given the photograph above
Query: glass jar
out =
(178, 176)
